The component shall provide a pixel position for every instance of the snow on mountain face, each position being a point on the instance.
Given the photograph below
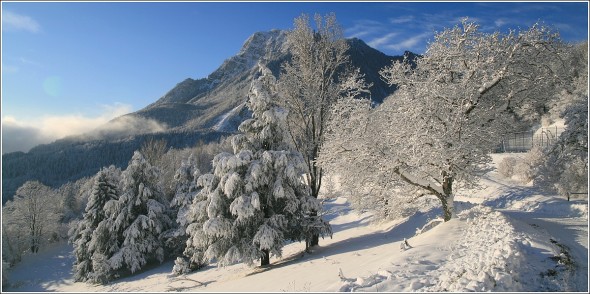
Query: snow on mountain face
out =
(229, 120)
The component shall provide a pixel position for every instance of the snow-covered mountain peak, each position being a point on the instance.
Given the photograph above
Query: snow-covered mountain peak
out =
(261, 44)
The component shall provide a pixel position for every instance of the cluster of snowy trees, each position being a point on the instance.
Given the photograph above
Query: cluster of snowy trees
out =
(565, 169)
(136, 216)
(125, 218)
(39, 215)
(254, 200)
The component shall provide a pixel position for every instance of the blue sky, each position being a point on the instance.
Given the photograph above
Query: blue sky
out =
(68, 67)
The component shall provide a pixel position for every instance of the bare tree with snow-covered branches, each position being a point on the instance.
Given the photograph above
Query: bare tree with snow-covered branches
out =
(451, 109)
(309, 84)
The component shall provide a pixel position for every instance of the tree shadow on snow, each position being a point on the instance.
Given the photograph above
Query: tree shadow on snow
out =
(40, 273)
(509, 195)
(552, 206)
(357, 223)
(396, 233)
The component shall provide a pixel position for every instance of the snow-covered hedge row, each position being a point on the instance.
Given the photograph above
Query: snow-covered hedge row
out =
(488, 257)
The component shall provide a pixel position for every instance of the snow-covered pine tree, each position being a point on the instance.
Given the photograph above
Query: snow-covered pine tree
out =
(185, 180)
(197, 242)
(88, 239)
(282, 190)
(139, 216)
(256, 198)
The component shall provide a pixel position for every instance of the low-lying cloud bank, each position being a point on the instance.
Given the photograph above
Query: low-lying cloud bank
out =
(22, 135)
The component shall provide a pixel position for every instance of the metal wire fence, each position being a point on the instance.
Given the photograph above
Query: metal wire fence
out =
(525, 141)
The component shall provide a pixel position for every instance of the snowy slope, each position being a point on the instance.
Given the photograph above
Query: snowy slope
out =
(506, 237)
(229, 121)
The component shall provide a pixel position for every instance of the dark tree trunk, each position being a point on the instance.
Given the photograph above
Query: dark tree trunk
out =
(447, 198)
(315, 240)
(316, 182)
(447, 214)
(265, 259)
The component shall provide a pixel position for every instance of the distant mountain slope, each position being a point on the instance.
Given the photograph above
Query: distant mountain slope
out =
(206, 108)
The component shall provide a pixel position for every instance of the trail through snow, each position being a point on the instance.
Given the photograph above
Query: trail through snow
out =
(506, 237)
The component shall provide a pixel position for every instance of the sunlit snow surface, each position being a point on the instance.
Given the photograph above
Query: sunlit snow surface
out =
(505, 238)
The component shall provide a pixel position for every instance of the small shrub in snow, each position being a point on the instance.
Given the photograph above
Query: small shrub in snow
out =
(523, 167)
(181, 266)
(404, 245)
(527, 167)
(574, 178)
(506, 166)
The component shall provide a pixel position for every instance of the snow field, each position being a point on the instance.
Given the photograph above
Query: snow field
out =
(478, 251)
(501, 240)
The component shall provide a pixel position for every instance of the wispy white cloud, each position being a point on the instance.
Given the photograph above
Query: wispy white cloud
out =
(501, 22)
(414, 26)
(375, 43)
(14, 65)
(410, 43)
(19, 137)
(18, 22)
(128, 125)
(363, 28)
(74, 124)
(402, 19)
(563, 27)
